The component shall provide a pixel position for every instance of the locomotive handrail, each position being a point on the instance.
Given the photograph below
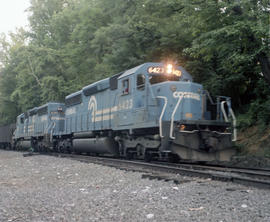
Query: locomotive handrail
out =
(227, 120)
(172, 117)
(51, 135)
(47, 130)
(223, 111)
(162, 114)
(209, 97)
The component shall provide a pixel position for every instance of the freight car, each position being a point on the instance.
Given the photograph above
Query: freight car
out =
(154, 110)
(6, 133)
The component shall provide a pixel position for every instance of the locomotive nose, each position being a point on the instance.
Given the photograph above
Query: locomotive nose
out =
(180, 100)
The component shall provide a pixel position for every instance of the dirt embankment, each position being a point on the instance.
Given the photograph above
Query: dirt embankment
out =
(253, 148)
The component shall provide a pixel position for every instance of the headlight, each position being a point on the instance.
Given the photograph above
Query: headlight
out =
(169, 68)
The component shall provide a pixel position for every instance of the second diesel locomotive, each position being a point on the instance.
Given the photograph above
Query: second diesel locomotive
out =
(154, 110)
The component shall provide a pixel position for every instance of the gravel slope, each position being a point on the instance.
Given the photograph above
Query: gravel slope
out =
(42, 188)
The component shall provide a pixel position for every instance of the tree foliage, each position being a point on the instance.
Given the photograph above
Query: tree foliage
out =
(71, 43)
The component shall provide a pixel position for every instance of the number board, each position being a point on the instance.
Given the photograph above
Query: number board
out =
(156, 70)
(161, 70)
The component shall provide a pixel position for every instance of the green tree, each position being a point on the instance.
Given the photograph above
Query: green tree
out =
(72, 43)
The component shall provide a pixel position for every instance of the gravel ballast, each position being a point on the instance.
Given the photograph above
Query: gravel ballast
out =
(44, 188)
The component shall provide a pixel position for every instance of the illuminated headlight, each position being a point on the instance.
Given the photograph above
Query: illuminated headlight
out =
(169, 68)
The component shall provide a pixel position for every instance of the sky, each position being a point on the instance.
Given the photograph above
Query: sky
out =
(12, 14)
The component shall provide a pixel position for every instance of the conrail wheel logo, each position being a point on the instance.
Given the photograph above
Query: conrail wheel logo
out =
(102, 114)
(92, 106)
(187, 95)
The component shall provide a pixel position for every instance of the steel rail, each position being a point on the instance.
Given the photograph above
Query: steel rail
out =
(249, 178)
(249, 172)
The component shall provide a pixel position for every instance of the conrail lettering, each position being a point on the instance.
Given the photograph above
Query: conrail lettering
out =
(187, 95)
(70, 111)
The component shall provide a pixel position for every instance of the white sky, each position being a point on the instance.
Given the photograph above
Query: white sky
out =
(12, 14)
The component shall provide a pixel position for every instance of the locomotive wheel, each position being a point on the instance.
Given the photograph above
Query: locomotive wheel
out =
(35, 148)
(129, 155)
(173, 158)
(147, 156)
(68, 150)
(60, 149)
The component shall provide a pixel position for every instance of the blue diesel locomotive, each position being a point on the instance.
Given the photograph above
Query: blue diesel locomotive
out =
(151, 111)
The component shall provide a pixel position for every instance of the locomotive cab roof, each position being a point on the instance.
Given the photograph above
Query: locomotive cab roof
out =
(143, 69)
(44, 109)
(21, 115)
(33, 111)
(132, 71)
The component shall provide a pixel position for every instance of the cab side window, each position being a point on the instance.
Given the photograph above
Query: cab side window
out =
(125, 87)
(140, 82)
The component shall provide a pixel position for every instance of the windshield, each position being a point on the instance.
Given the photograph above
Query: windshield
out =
(157, 78)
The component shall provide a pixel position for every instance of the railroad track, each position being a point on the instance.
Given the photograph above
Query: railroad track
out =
(261, 174)
(161, 170)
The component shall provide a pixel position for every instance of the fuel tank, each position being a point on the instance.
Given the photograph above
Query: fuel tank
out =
(25, 144)
(102, 145)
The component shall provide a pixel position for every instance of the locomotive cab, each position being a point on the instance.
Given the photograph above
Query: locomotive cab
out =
(186, 126)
